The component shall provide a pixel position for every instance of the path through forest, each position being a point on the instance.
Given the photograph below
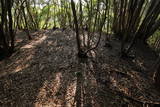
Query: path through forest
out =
(46, 72)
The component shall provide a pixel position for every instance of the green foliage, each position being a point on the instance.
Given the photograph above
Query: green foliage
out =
(49, 13)
(153, 38)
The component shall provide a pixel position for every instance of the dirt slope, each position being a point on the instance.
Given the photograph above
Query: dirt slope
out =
(45, 72)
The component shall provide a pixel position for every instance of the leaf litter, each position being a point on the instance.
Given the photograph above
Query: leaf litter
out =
(46, 72)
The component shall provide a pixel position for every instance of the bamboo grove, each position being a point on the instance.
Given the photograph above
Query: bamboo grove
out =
(132, 21)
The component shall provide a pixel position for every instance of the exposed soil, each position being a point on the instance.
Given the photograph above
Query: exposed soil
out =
(46, 72)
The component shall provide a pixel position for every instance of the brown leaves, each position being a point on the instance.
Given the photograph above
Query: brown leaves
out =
(52, 75)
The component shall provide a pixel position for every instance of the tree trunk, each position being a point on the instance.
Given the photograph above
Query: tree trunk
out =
(26, 24)
(30, 15)
(2, 35)
(80, 52)
(10, 24)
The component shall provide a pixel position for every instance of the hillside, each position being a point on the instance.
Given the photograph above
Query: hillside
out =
(46, 71)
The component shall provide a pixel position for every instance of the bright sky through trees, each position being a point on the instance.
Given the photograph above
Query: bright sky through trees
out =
(76, 1)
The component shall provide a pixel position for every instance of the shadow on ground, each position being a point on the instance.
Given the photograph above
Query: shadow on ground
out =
(46, 72)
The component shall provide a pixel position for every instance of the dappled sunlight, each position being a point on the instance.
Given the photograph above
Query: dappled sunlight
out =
(52, 43)
(79, 53)
(50, 92)
(17, 66)
(22, 60)
(20, 68)
(43, 92)
(70, 94)
(47, 72)
(93, 53)
(56, 82)
(19, 41)
(33, 44)
(27, 46)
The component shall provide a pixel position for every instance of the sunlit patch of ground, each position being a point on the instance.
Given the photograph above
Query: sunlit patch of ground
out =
(45, 72)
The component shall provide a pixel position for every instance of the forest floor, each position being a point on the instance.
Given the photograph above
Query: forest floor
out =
(45, 72)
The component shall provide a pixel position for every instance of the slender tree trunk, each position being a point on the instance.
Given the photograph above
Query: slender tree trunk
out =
(30, 15)
(11, 24)
(81, 14)
(47, 19)
(101, 24)
(95, 23)
(76, 28)
(135, 19)
(5, 45)
(26, 24)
